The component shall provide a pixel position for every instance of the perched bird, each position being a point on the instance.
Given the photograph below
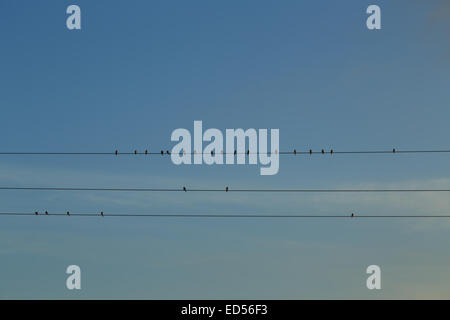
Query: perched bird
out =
(184, 189)
(162, 152)
(310, 151)
(235, 152)
(146, 151)
(353, 214)
(212, 152)
(46, 213)
(331, 151)
(68, 213)
(101, 213)
(36, 213)
(248, 152)
(117, 152)
(226, 189)
(167, 151)
(393, 150)
(323, 151)
(295, 151)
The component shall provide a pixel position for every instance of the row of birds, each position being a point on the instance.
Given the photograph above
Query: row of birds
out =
(235, 152)
(36, 213)
(102, 214)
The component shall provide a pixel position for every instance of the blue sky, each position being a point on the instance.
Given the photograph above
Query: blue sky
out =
(140, 69)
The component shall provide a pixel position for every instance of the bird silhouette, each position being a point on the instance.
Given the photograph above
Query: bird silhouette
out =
(101, 213)
(68, 213)
(331, 151)
(323, 151)
(248, 152)
(36, 213)
(135, 151)
(235, 152)
(167, 151)
(116, 152)
(310, 151)
(184, 189)
(226, 189)
(146, 151)
(46, 213)
(353, 214)
(212, 152)
(393, 150)
(295, 151)
(162, 152)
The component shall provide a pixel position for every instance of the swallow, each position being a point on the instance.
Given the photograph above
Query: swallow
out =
(323, 151)
(135, 151)
(235, 152)
(248, 152)
(353, 214)
(162, 152)
(167, 151)
(393, 150)
(331, 151)
(226, 189)
(146, 151)
(36, 213)
(212, 152)
(184, 189)
(68, 213)
(46, 213)
(101, 213)
(310, 151)
(295, 151)
(116, 152)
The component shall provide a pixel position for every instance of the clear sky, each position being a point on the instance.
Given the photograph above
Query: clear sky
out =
(140, 69)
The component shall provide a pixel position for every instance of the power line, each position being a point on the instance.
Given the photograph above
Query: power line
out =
(226, 189)
(293, 152)
(230, 216)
